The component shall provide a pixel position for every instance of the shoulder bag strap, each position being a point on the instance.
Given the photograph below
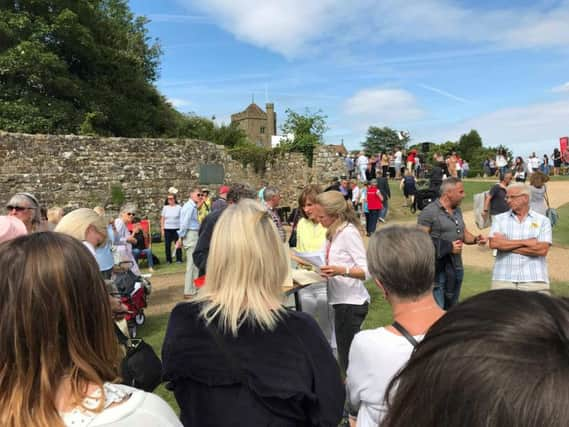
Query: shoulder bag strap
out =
(405, 333)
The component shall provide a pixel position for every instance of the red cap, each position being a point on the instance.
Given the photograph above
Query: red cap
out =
(224, 189)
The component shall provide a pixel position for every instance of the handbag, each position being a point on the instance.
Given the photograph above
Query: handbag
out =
(553, 216)
(140, 368)
(292, 240)
(551, 213)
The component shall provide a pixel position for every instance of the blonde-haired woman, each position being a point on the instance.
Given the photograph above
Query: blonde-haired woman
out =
(85, 225)
(346, 268)
(236, 348)
(59, 355)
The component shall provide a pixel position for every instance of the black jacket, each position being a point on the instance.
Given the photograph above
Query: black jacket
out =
(286, 377)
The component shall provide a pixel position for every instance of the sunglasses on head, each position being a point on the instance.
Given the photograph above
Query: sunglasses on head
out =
(18, 208)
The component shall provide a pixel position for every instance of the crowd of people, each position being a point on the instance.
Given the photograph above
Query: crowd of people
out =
(233, 354)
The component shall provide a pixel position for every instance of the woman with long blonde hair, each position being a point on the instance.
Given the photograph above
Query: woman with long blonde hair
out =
(85, 225)
(346, 268)
(59, 351)
(234, 354)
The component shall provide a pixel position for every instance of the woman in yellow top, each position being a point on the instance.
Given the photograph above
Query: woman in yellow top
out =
(311, 237)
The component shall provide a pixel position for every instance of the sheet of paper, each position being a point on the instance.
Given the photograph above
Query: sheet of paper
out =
(314, 258)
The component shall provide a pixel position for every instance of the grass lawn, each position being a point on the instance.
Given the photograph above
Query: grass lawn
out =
(475, 281)
(561, 230)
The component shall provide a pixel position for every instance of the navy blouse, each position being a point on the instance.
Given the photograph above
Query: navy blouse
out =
(284, 377)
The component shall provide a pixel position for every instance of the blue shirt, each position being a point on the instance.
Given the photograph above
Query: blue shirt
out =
(103, 254)
(188, 218)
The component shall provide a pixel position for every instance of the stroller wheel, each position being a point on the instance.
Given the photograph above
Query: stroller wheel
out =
(140, 318)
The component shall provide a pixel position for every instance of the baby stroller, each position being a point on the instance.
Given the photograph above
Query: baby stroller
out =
(134, 291)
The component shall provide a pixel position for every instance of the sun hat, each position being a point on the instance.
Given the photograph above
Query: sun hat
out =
(10, 228)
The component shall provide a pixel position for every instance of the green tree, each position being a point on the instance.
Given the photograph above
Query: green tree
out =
(79, 66)
(384, 139)
(468, 144)
(308, 130)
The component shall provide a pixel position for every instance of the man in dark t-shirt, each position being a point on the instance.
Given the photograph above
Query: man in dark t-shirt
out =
(495, 201)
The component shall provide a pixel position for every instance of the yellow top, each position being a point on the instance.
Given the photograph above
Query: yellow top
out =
(310, 237)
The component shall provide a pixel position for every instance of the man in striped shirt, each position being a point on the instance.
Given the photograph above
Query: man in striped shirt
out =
(522, 238)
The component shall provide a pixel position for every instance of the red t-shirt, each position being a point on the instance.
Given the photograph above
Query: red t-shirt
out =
(373, 200)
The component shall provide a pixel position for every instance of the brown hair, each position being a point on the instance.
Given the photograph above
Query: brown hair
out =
(56, 324)
(335, 205)
(310, 192)
(538, 179)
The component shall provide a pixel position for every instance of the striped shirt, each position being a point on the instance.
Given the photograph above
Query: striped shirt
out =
(511, 267)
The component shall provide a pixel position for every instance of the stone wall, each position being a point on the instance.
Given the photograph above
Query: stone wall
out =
(77, 171)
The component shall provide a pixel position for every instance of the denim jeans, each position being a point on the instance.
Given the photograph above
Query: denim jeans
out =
(170, 237)
(371, 225)
(385, 209)
(446, 299)
(147, 252)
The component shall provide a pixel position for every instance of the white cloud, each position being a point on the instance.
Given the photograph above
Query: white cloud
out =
(381, 107)
(296, 27)
(561, 88)
(179, 102)
(536, 127)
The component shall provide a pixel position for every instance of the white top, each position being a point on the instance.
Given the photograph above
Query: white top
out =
(171, 216)
(533, 162)
(511, 267)
(537, 201)
(362, 161)
(375, 357)
(397, 157)
(501, 161)
(355, 194)
(347, 250)
(133, 407)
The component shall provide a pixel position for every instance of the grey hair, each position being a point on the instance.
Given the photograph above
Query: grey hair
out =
(31, 201)
(403, 260)
(524, 188)
(270, 192)
(449, 184)
(128, 207)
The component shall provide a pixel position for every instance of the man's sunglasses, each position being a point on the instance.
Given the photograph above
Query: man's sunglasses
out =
(10, 208)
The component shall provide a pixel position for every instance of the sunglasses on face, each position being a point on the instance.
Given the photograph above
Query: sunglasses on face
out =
(130, 214)
(10, 208)
(199, 195)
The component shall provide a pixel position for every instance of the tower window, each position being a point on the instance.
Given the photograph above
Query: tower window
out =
(262, 129)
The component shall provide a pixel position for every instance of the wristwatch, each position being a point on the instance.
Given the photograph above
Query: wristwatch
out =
(347, 272)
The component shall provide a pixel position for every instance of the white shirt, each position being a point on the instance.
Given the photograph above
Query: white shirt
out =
(511, 267)
(501, 161)
(362, 161)
(397, 157)
(171, 216)
(347, 250)
(375, 357)
(141, 409)
(355, 194)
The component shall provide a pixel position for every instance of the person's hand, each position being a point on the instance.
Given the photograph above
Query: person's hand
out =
(457, 247)
(118, 309)
(179, 244)
(331, 270)
(482, 240)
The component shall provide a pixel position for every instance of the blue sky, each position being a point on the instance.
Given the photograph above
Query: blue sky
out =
(436, 68)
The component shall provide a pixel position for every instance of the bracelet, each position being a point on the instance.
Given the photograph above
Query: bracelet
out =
(347, 273)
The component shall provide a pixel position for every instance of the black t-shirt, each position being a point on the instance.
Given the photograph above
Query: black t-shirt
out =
(498, 202)
(139, 236)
